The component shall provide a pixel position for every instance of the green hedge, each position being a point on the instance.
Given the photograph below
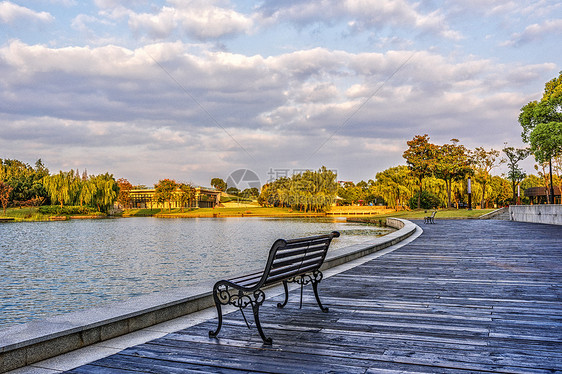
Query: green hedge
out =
(65, 210)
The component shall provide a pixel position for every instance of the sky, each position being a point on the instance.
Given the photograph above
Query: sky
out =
(192, 90)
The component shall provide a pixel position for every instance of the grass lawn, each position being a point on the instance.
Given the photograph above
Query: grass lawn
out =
(24, 214)
(31, 214)
(441, 214)
(286, 212)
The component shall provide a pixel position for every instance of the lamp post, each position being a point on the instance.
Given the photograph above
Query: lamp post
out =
(469, 195)
(551, 197)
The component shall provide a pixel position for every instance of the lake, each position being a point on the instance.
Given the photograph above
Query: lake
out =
(49, 268)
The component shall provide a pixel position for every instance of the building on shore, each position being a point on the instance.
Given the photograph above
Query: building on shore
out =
(204, 197)
(539, 195)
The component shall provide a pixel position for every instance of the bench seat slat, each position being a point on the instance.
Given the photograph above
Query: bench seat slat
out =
(284, 264)
(295, 267)
(300, 244)
(309, 239)
(296, 259)
(300, 250)
(277, 278)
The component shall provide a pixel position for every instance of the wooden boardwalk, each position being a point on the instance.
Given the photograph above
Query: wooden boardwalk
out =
(466, 296)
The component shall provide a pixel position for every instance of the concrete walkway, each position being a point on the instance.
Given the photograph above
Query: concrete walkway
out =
(465, 296)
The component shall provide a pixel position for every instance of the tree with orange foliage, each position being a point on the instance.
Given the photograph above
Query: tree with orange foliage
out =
(124, 197)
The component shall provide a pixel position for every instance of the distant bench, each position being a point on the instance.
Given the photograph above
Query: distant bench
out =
(296, 260)
(430, 218)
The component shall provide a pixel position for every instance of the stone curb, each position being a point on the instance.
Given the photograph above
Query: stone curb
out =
(25, 344)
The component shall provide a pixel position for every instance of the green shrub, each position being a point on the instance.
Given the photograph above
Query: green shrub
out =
(65, 210)
(427, 201)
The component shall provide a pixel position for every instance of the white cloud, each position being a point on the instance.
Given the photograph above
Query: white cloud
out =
(535, 32)
(364, 14)
(200, 20)
(67, 3)
(11, 13)
(183, 105)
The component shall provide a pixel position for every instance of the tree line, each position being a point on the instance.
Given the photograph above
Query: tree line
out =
(309, 191)
(437, 175)
(24, 185)
(168, 191)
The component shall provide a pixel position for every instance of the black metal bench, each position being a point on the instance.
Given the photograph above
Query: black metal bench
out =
(296, 260)
(431, 218)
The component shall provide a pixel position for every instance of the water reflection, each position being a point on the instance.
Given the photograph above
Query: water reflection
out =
(48, 268)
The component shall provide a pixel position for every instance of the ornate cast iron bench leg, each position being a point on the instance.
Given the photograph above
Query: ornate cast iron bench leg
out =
(281, 305)
(317, 278)
(256, 310)
(241, 300)
(213, 334)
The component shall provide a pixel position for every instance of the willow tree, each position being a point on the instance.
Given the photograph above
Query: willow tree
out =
(106, 191)
(394, 185)
(87, 192)
(310, 190)
(61, 187)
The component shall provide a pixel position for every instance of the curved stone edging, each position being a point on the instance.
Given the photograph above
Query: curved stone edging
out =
(405, 229)
(25, 344)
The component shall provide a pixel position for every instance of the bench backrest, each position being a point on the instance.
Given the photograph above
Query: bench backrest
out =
(289, 258)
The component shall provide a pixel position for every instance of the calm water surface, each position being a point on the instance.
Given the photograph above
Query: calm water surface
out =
(49, 268)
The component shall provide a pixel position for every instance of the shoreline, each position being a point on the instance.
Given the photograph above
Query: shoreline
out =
(31, 215)
(357, 214)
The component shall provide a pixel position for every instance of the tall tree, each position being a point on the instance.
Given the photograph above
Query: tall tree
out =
(349, 192)
(546, 145)
(542, 125)
(310, 190)
(185, 194)
(515, 173)
(219, 184)
(124, 197)
(546, 141)
(59, 186)
(420, 158)
(106, 191)
(164, 191)
(5, 191)
(484, 161)
(87, 192)
(394, 185)
(501, 190)
(452, 163)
